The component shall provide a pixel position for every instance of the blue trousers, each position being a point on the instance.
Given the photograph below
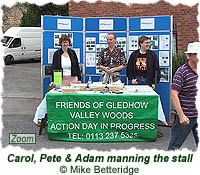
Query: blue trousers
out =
(179, 132)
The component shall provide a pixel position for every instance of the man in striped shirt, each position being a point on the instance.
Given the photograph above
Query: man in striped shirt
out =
(183, 95)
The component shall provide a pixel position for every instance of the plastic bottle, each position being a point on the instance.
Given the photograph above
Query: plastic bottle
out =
(89, 80)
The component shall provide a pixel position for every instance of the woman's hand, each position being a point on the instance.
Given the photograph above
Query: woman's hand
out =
(51, 84)
(153, 86)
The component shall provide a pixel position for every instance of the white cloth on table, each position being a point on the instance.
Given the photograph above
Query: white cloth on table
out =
(41, 110)
(161, 115)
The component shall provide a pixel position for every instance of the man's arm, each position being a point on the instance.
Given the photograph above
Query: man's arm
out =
(106, 69)
(116, 69)
(184, 120)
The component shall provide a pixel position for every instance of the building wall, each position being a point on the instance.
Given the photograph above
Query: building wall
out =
(184, 17)
(12, 15)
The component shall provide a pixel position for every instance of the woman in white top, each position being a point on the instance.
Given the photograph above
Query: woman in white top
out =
(66, 61)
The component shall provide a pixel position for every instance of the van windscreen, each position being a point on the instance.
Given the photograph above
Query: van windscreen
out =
(6, 40)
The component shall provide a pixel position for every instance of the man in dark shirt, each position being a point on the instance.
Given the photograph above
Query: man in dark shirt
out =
(111, 60)
(183, 95)
(143, 67)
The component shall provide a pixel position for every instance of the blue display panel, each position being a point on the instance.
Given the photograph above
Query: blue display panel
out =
(49, 43)
(105, 24)
(157, 23)
(160, 43)
(100, 44)
(60, 23)
(53, 28)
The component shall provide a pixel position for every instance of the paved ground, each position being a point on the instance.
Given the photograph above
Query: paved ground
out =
(21, 96)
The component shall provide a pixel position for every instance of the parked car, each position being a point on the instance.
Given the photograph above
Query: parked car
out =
(21, 43)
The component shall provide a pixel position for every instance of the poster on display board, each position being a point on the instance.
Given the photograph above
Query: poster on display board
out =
(164, 42)
(164, 72)
(153, 42)
(90, 44)
(106, 24)
(57, 37)
(121, 43)
(90, 59)
(50, 55)
(78, 54)
(164, 58)
(133, 43)
(147, 23)
(64, 24)
(103, 37)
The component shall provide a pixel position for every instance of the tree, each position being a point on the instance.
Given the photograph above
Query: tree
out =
(32, 17)
(178, 60)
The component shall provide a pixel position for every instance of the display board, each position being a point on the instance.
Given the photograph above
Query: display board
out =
(95, 41)
(53, 28)
(89, 38)
(158, 29)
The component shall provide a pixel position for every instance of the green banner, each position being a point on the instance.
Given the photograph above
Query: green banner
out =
(102, 118)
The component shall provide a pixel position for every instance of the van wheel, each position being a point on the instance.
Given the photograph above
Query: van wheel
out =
(8, 60)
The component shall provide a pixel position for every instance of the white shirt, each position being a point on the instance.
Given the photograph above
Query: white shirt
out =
(66, 65)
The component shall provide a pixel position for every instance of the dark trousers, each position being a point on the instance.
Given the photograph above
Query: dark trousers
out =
(179, 132)
(141, 81)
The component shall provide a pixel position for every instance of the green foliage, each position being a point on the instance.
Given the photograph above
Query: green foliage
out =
(178, 59)
(32, 17)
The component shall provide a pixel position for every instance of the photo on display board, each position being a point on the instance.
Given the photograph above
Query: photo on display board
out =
(133, 42)
(90, 44)
(164, 42)
(164, 71)
(57, 37)
(90, 60)
(164, 58)
(121, 43)
(153, 42)
(103, 37)
(99, 48)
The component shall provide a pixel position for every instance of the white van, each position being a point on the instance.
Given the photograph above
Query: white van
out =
(21, 43)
